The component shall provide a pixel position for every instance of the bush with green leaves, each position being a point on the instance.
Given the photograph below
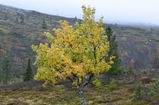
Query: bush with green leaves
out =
(113, 84)
(144, 93)
(138, 93)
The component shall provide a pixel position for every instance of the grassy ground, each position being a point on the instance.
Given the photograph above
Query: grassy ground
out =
(60, 95)
(120, 92)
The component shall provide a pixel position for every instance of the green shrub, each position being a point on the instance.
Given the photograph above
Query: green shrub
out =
(153, 91)
(138, 93)
(143, 93)
(113, 84)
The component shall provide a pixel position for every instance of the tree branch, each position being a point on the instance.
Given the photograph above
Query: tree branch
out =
(88, 80)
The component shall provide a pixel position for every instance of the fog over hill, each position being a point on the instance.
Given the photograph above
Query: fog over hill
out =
(114, 11)
(19, 29)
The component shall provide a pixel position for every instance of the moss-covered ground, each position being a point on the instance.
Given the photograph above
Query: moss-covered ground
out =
(60, 95)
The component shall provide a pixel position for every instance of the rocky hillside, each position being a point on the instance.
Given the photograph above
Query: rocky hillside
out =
(19, 29)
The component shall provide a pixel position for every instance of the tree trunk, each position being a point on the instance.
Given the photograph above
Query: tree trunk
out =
(81, 95)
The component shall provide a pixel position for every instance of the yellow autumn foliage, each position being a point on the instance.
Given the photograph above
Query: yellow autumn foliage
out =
(73, 52)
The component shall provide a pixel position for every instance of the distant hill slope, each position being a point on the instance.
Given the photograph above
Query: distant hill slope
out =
(19, 29)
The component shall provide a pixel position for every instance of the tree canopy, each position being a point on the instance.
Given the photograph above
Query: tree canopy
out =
(76, 53)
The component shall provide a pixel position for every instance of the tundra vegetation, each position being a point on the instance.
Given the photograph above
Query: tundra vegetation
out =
(74, 60)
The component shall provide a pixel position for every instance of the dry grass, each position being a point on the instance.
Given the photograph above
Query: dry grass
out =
(64, 95)
(61, 96)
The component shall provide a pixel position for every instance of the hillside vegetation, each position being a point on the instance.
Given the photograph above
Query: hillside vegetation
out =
(124, 91)
(19, 29)
(72, 68)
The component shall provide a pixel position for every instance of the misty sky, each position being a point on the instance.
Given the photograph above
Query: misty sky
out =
(113, 11)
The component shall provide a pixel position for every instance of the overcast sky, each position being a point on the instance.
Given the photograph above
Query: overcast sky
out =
(113, 11)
